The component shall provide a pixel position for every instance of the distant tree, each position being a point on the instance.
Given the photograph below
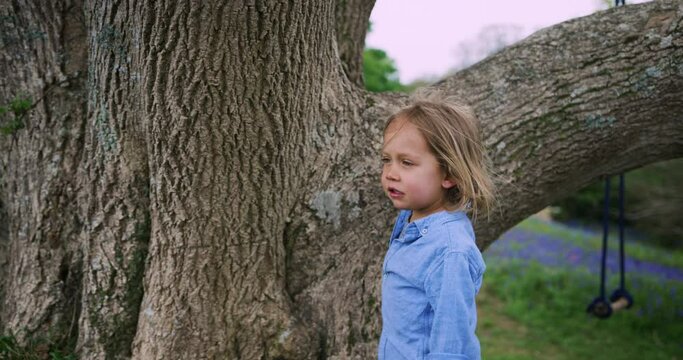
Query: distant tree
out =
(605, 4)
(488, 41)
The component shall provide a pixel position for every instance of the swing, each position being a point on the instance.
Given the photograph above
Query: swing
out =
(620, 298)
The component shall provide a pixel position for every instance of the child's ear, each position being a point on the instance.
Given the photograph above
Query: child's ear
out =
(447, 183)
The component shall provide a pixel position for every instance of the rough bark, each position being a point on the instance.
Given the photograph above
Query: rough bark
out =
(352, 19)
(42, 59)
(612, 81)
(214, 190)
(241, 121)
(113, 181)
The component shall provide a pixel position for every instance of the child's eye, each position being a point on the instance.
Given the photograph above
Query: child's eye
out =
(407, 163)
(385, 160)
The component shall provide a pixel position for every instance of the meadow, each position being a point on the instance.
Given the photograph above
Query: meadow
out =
(541, 275)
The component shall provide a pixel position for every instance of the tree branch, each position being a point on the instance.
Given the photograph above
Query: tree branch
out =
(585, 99)
(353, 17)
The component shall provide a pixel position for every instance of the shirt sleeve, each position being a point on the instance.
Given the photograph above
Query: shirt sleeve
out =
(451, 291)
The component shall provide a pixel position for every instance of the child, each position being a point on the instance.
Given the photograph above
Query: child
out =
(435, 171)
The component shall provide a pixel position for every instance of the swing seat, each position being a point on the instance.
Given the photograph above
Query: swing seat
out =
(600, 307)
(621, 299)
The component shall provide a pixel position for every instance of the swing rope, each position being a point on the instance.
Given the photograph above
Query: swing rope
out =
(620, 298)
(621, 230)
(605, 234)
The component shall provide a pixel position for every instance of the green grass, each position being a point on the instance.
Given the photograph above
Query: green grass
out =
(35, 349)
(636, 250)
(530, 311)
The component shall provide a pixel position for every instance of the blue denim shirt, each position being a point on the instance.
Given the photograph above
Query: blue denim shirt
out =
(432, 272)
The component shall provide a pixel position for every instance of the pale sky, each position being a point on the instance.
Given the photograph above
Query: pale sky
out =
(423, 37)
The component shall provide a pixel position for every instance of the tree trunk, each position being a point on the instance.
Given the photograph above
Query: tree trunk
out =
(43, 55)
(230, 151)
(201, 180)
(114, 181)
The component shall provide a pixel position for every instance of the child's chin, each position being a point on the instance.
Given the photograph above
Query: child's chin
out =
(399, 205)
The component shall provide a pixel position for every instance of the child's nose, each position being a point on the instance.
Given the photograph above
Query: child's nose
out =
(390, 173)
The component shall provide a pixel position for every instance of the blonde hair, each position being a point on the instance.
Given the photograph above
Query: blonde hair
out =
(452, 133)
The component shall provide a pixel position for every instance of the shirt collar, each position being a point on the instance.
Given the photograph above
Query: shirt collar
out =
(416, 229)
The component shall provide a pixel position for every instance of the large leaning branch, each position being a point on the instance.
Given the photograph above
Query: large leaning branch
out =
(588, 98)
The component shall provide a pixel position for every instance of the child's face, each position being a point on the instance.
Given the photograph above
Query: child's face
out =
(411, 175)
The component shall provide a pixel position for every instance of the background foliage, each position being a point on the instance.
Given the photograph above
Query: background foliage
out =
(652, 200)
(379, 72)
